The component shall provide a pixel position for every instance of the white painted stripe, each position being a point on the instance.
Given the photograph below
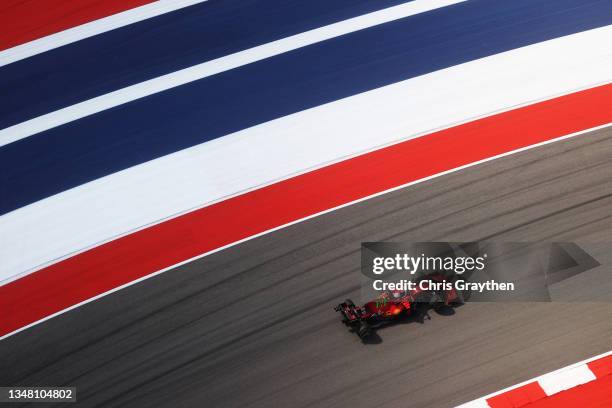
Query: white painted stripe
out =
(184, 76)
(552, 374)
(566, 379)
(51, 229)
(92, 28)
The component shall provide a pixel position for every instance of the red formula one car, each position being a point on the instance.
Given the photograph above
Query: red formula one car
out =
(391, 306)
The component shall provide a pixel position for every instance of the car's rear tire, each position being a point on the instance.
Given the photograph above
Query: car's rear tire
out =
(364, 330)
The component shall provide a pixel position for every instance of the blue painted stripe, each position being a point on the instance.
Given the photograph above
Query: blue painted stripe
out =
(72, 154)
(154, 47)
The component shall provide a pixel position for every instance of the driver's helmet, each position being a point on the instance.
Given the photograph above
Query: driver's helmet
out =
(396, 294)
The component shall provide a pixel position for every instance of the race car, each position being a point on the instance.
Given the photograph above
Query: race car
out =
(394, 305)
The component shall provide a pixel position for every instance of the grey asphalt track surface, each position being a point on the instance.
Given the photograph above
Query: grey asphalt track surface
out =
(253, 325)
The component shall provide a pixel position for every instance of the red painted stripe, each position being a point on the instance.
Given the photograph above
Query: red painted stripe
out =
(594, 394)
(24, 21)
(518, 397)
(116, 263)
(601, 367)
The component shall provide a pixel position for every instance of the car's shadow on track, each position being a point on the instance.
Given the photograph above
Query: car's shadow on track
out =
(420, 317)
(373, 338)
